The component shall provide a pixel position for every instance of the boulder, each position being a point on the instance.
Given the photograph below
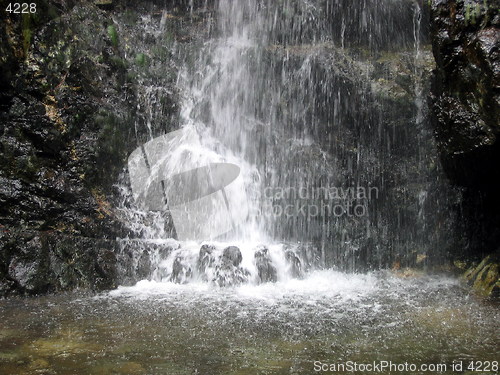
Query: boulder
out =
(205, 257)
(228, 271)
(232, 255)
(266, 270)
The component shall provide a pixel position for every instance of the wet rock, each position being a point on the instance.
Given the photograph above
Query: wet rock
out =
(466, 113)
(49, 262)
(228, 271)
(8, 287)
(266, 270)
(232, 256)
(206, 260)
(294, 264)
(180, 272)
(228, 275)
(30, 268)
(69, 99)
(144, 265)
(309, 256)
(106, 266)
(138, 259)
(104, 4)
(485, 277)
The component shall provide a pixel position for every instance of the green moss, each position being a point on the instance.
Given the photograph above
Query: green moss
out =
(113, 35)
(471, 274)
(140, 59)
(461, 265)
(27, 32)
(477, 13)
(486, 279)
(473, 12)
(110, 150)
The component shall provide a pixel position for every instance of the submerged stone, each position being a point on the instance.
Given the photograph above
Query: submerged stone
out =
(229, 275)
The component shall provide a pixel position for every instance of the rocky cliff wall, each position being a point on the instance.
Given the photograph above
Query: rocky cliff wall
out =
(465, 102)
(70, 113)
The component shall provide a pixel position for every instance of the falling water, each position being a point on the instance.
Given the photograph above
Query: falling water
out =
(302, 98)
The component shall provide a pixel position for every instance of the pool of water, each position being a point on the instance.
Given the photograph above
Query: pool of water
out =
(276, 328)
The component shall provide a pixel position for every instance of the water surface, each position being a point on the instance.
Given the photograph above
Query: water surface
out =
(280, 328)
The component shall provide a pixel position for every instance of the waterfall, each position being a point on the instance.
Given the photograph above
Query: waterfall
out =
(280, 208)
(295, 149)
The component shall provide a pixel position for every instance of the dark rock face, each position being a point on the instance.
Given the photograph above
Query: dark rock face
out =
(60, 148)
(71, 110)
(40, 262)
(465, 38)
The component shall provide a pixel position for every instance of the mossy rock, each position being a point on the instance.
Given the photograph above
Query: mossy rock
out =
(113, 35)
(485, 278)
(140, 59)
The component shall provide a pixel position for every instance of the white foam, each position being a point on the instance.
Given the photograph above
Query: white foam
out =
(318, 285)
